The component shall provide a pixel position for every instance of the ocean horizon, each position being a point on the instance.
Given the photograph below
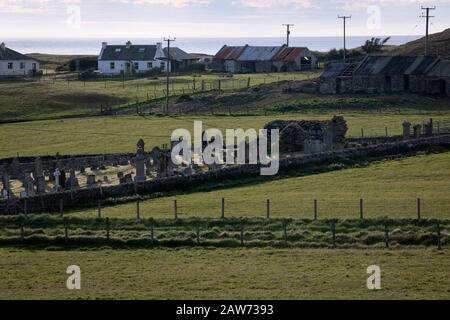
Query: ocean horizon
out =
(92, 46)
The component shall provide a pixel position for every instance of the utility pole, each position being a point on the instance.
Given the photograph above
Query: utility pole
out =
(288, 31)
(428, 17)
(344, 18)
(168, 69)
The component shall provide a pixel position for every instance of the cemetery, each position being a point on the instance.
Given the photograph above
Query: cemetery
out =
(46, 184)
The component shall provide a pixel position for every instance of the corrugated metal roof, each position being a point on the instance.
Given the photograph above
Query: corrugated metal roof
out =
(128, 53)
(229, 53)
(251, 53)
(398, 65)
(334, 70)
(441, 69)
(9, 54)
(372, 65)
(421, 65)
(290, 54)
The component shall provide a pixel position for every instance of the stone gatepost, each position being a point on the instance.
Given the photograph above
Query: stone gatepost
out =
(406, 130)
(139, 162)
(39, 177)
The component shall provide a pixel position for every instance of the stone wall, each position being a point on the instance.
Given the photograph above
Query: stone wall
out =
(89, 197)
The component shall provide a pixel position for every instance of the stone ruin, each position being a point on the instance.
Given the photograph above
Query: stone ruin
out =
(310, 136)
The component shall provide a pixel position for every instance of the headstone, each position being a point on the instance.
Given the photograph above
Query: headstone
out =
(39, 178)
(417, 131)
(406, 130)
(63, 179)
(90, 181)
(29, 185)
(57, 175)
(140, 162)
(6, 191)
(73, 179)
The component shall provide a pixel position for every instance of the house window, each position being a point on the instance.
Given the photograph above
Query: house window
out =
(136, 65)
(10, 65)
(22, 65)
(112, 65)
(118, 50)
(149, 65)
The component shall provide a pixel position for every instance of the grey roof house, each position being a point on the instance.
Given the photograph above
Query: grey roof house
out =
(15, 64)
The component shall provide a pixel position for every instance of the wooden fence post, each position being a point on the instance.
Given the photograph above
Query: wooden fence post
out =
(362, 132)
(223, 208)
(285, 233)
(268, 209)
(419, 208)
(175, 209)
(22, 232)
(333, 231)
(242, 233)
(197, 231)
(152, 233)
(315, 210)
(138, 210)
(361, 208)
(386, 235)
(248, 82)
(99, 209)
(66, 230)
(439, 236)
(387, 132)
(107, 229)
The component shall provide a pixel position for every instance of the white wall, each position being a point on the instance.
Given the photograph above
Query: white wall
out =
(17, 71)
(104, 66)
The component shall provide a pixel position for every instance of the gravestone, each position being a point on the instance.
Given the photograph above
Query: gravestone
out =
(73, 179)
(57, 174)
(39, 178)
(91, 181)
(63, 179)
(140, 162)
(6, 191)
(417, 131)
(29, 185)
(406, 130)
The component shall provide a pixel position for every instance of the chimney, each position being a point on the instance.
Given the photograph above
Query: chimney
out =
(104, 45)
(128, 44)
(159, 46)
(3, 46)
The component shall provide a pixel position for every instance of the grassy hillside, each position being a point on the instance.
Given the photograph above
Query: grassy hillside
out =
(439, 44)
(224, 274)
(50, 62)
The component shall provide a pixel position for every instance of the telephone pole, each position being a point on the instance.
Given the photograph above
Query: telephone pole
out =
(428, 17)
(168, 69)
(344, 18)
(288, 31)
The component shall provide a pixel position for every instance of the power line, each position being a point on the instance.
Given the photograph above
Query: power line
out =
(168, 69)
(288, 32)
(427, 17)
(344, 18)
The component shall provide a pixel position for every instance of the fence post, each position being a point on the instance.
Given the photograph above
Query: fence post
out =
(66, 231)
(362, 132)
(138, 210)
(268, 209)
(315, 210)
(99, 209)
(333, 231)
(152, 227)
(22, 232)
(242, 233)
(419, 208)
(107, 229)
(248, 82)
(285, 233)
(175, 209)
(439, 236)
(223, 208)
(386, 235)
(220, 85)
(197, 231)
(387, 132)
(361, 208)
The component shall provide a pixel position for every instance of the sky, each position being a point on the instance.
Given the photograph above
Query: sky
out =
(215, 18)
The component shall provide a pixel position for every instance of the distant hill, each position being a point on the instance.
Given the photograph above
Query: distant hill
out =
(439, 43)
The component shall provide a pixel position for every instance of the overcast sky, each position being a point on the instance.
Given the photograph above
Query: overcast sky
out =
(214, 18)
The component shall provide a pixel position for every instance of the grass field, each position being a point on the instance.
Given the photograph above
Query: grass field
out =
(95, 135)
(48, 99)
(224, 274)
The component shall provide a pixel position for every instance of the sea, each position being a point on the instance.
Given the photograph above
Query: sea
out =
(92, 46)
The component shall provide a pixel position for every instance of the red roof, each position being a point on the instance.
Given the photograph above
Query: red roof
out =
(290, 54)
(229, 53)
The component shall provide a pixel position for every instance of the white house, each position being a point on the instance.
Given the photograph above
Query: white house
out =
(15, 64)
(130, 59)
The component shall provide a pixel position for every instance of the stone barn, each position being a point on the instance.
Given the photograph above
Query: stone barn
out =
(438, 79)
(331, 76)
(415, 76)
(295, 59)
